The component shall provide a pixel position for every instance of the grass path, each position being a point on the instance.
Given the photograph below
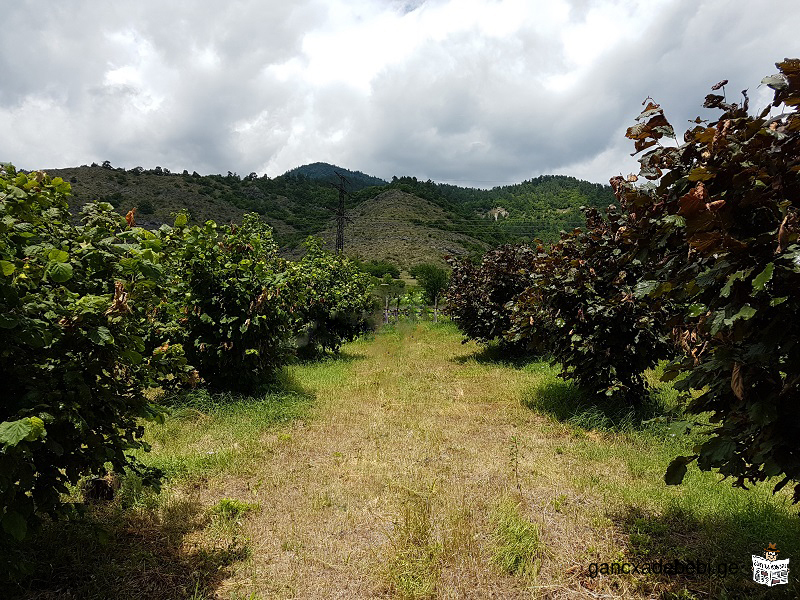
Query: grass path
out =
(415, 466)
(389, 487)
(422, 470)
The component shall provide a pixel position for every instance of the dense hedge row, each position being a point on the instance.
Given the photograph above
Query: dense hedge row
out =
(330, 300)
(580, 307)
(93, 314)
(705, 254)
(477, 294)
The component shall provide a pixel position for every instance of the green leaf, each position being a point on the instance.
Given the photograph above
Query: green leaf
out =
(671, 372)
(15, 525)
(644, 288)
(718, 320)
(34, 337)
(762, 278)
(717, 450)
(129, 264)
(8, 321)
(700, 174)
(13, 432)
(675, 220)
(59, 272)
(746, 313)
(58, 256)
(132, 356)
(101, 336)
(777, 301)
(181, 220)
(739, 275)
(7, 268)
(695, 310)
(37, 429)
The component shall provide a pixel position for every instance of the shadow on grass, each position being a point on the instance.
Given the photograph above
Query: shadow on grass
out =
(725, 541)
(283, 390)
(135, 554)
(343, 357)
(500, 355)
(567, 403)
(281, 386)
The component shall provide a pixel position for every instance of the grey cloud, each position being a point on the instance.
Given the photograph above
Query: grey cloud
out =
(522, 129)
(484, 116)
(62, 56)
(468, 108)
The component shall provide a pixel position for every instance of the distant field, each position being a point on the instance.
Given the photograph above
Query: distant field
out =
(415, 466)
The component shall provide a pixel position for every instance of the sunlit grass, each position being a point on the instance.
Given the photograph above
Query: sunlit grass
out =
(205, 434)
(414, 564)
(517, 547)
(417, 466)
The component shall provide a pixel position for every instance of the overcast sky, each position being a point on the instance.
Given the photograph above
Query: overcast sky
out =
(472, 92)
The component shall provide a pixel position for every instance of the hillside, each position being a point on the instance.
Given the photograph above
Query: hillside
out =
(537, 208)
(443, 219)
(403, 229)
(159, 196)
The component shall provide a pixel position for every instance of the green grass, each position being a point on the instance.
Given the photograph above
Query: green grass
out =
(414, 567)
(206, 434)
(134, 547)
(231, 510)
(129, 553)
(517, 547)
(622, 455)
(413, 445)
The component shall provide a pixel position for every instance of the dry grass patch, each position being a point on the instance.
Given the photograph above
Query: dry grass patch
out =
(414, 562)
(420, 467)
(360, 499)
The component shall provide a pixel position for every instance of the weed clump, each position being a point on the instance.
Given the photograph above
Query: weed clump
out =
(517, 548)
(231, 510)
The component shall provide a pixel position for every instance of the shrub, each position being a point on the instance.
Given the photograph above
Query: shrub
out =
(329, 299)
(581, 302)
(145, 207)
(379, 268)
(227, 308)
(434, 280)
(73, 325)
(723, 227)
(477, 295)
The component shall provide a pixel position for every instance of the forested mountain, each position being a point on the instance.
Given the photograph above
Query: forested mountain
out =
(330, 173)
(537, 208)
(302, 202)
